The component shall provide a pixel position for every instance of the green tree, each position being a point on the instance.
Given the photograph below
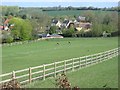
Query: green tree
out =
(52, 29)
(9, 10)
(68, 32)
(107, 19)
(22, 29)
(96, 29)
(90, 15)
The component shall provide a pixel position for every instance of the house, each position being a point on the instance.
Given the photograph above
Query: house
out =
(78, 28)
(79, 24)
(55, 22)
(6, 25)
(87, 30)
(66, 23)
(81, 19)
(4, 28)
(6, 21)
(1, 27)
(71, 24)
(85, 25)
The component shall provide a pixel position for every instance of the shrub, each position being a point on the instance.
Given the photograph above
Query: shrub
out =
(68, 32)
(9, 39)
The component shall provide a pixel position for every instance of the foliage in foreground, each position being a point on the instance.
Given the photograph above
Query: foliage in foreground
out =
(63, 82)
(11, 85)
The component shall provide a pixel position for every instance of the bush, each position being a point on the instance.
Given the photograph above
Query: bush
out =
(68, 32)
(52, 29)
(88, 34)
(9, 39)
(11, 85)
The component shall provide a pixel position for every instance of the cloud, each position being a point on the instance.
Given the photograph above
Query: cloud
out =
(60, 0)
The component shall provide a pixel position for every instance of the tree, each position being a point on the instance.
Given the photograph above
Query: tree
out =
(68, 32)
(22, 29)
(90, 15)
(52, 29)
(39, 24)
(9, 10)
(26, 31)
(106, 19)
(24, 16)
(96, 29)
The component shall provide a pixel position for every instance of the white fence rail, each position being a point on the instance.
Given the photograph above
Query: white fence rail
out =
(47, 70)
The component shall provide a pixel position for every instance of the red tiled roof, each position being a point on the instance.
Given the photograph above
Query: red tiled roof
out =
(6, 21)
(1, 27)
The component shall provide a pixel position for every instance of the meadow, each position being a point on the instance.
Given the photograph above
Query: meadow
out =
(47, 51)
(96, 76)
(73, 12)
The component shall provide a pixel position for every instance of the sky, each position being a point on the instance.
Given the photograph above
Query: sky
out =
(65, 3)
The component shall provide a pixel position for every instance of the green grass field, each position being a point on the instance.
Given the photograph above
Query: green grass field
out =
(96, 76)
(72, 12)
(47, 51)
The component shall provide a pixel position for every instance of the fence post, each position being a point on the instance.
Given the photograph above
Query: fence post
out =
(55, 69)
(64, 66)
(79, 62)
(43, 71)
(118, 51)
(85, 60)
(94, 59)
(104, 56)
(114, 53)
(90, 59)
(30, 75)
(100, 57)
(13, 75)
(107, 55)
(73, 64)
(97, 58)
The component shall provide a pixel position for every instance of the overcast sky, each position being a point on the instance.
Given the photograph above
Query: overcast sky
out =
(51, 3)
(60, 0)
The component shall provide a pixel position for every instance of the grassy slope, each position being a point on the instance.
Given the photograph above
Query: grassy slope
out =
(26, 55)
(95, 76)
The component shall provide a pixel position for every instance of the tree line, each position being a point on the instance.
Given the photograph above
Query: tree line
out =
(59, 8)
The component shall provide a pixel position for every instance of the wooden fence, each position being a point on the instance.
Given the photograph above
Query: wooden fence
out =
(51, 70)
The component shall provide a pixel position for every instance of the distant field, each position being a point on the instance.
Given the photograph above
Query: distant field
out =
(95, 76)
(72, 12)
(46, 51)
